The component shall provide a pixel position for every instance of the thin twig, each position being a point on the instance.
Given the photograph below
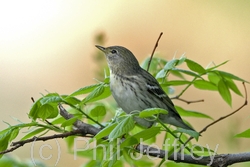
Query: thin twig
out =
(224, 117)
(10, 150)
(188, 102)
(45, 138)
(32, 99)
(156, 44)
(16, 145)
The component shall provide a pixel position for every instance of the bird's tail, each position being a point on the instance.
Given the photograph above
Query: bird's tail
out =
(175, 120)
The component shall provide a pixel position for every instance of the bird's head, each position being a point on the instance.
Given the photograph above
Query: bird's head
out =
(120, 60)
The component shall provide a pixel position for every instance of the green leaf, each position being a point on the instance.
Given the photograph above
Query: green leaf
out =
(47, 111)
(33, 133)
(69, 122)
(6, 136)
(12, 161)
(95, 93)
(107, 79)
(213, 77)
(171, 64)
(14, 134)
(177, 73)
(138, 162)
(54, 113)
(98, 93)
(245, 134)
(195, 66)
(231, 76)
(201, 151)
(5, 139)
(189, 113)
(210, 69)
(129, 142)
(161, 74)
(85, 90)
(71, 100)
(58, 120)
(154, 63)
(106, 93)
(113, 155)
(98, 111)
(152, 111)
(176, 83)
(204, 85)
(34, 110)
(186, 72)
(123, 127)
(45, 107)
(92, 163)
(224, 92)
(105, 132)
(4, 132)
(50, 99)
(143, 135)
(190, 132)
(70, 141)
(230, 83)
(181, 60)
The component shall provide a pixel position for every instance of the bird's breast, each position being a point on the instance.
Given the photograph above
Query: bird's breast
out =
(124, 93)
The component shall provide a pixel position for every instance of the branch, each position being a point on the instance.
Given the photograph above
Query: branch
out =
(83, 127)
(221, 160)
(156, 44)
(16, 145)
(186, 101)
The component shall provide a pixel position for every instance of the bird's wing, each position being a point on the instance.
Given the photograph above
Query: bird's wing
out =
(154, 88)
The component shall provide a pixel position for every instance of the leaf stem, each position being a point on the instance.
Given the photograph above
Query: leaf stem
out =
(168, 130)
(186, 88)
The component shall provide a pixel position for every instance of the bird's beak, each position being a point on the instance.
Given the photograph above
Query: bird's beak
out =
(101, 48)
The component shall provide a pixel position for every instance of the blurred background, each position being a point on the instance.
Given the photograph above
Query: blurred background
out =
(49, 46)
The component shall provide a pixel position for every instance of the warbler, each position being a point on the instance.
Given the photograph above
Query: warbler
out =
(133, 88)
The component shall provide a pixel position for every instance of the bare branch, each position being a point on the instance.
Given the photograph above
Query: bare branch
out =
(188, 102)
(85, 128)
(156, 44)
(221, 160)
(16, 145)
(10, 150)
(45, 138)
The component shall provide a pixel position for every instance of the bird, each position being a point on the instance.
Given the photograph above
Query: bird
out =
(135, 89)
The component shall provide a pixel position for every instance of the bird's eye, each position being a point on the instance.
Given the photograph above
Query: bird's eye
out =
(113, 51)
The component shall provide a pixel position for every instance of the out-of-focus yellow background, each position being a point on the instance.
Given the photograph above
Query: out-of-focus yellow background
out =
(48, 45)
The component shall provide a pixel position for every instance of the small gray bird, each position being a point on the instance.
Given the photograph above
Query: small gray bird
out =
(134, 88)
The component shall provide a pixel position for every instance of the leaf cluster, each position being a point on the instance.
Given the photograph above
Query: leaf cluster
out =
(121, 131)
